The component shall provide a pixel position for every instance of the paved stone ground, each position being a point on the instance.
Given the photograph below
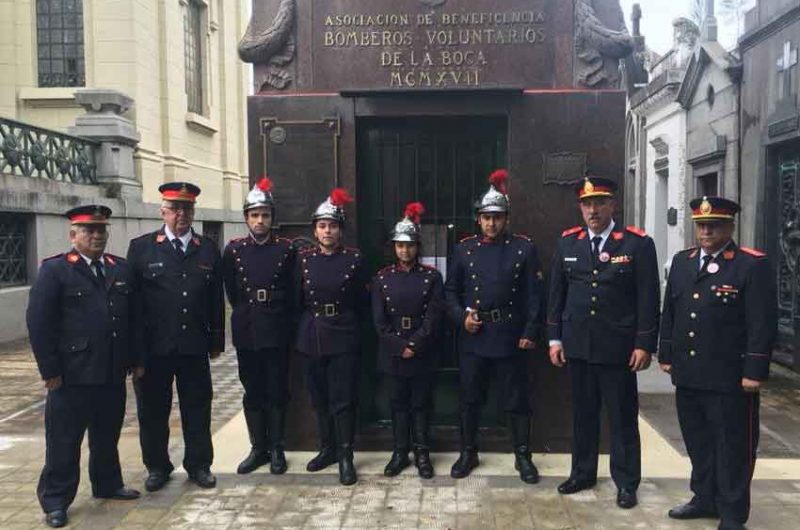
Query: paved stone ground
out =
(493, 500)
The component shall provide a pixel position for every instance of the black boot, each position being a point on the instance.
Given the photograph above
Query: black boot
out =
(327, 444)
(399, 459)
(422, 455)
(468, 459)
(277, 427)
(259, 452)
(520, 437)
(345, 428)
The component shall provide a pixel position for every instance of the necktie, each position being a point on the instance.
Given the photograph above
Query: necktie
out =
(706, 260)
(178, 244)
(97, 265)
(596, 241)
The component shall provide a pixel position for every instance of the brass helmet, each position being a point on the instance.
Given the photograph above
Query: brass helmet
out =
(333, 207)
(408, 230)
(495, 200)
(260, 195)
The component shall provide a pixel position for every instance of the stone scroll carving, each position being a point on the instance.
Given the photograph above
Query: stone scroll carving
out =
(271, 44)
(601, 40)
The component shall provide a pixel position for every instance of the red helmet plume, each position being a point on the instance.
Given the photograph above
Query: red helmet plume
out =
(414, 211)
(499, 179)
(265, 184)
(339, 197)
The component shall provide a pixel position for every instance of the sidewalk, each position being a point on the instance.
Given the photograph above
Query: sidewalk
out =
(493, 498)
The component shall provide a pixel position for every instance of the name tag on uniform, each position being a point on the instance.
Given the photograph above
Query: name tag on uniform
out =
(153, 266)
(571, 259)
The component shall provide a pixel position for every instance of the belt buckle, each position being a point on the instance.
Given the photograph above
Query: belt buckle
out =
(262, 295)
(496, 315)
(405, 322)
(330, 310)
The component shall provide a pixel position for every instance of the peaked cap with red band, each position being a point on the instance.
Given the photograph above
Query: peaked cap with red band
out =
(91, 214)
(595, 187)
(710, 209)
(179, 192)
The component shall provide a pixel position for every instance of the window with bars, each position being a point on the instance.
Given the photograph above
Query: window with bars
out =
(13, 250)
(193, 54)
(59, 40)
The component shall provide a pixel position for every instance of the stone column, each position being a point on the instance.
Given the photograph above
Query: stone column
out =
(117, 137)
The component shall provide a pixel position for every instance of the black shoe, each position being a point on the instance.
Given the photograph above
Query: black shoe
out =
(422, 459)
(523, 463)
(730, 525)
(122, 494)
(347, 471)
(156, 480)
(692, 511)
(277, 464)
(626, 499)
(570, 486)
(467, 461)
(203, 478)
(326, 457)
(398, 463)
(254, 460)
(56, 518)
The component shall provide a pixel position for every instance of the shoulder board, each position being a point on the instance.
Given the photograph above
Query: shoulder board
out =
(468, 238)
(523, 237)
(285, 240)
(570, 231)
(237, 239)
(428, 267)
(307, 250)
(386, 269)
(50, 258)
(752, 252)
(636, 230)
(115, 258)
(690, 249)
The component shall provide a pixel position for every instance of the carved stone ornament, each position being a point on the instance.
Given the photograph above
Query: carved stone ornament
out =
(601, 40)
(273, 45)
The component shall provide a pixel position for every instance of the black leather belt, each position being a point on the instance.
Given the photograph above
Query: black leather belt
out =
(496, 315)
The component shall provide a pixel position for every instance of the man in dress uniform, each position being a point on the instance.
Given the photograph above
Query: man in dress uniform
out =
(494, 296)
(718, 328)
(334, 299)
(603, 324)
(79, 321)
(182, 313)
(258, 275)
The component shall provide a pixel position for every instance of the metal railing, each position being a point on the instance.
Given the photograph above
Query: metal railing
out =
(29, 151)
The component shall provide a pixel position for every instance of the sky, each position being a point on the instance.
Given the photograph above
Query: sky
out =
(657, 17)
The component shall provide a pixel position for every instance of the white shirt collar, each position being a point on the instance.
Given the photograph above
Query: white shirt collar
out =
(604, 234)
(185, 238)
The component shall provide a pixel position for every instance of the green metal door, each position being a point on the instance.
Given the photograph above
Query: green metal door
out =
(444, 163)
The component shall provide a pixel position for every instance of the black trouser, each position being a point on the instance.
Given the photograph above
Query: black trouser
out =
(615, 386)
(412, 394)
(512, 375)
(265, 377)
(69, 412)
(332, 383)
(720, 430)
(154, 403)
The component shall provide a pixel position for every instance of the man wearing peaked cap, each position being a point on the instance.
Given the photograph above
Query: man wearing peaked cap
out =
(494, 296)
(182, 312)
(718, 329)
(258, 271)
(80, 321)
(602, 323)
(333, 298)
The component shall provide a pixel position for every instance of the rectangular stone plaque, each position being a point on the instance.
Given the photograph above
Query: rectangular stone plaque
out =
(299, 188)
(434, 44)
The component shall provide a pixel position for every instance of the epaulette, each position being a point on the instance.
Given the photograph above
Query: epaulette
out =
(636, 230)
(468, 238)
(50, 258)
(284, 240)
(523, 237)
(569, 231)
(428, 267)
(114, 258)
(385, 269)
(753, 252)
(237, 239)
